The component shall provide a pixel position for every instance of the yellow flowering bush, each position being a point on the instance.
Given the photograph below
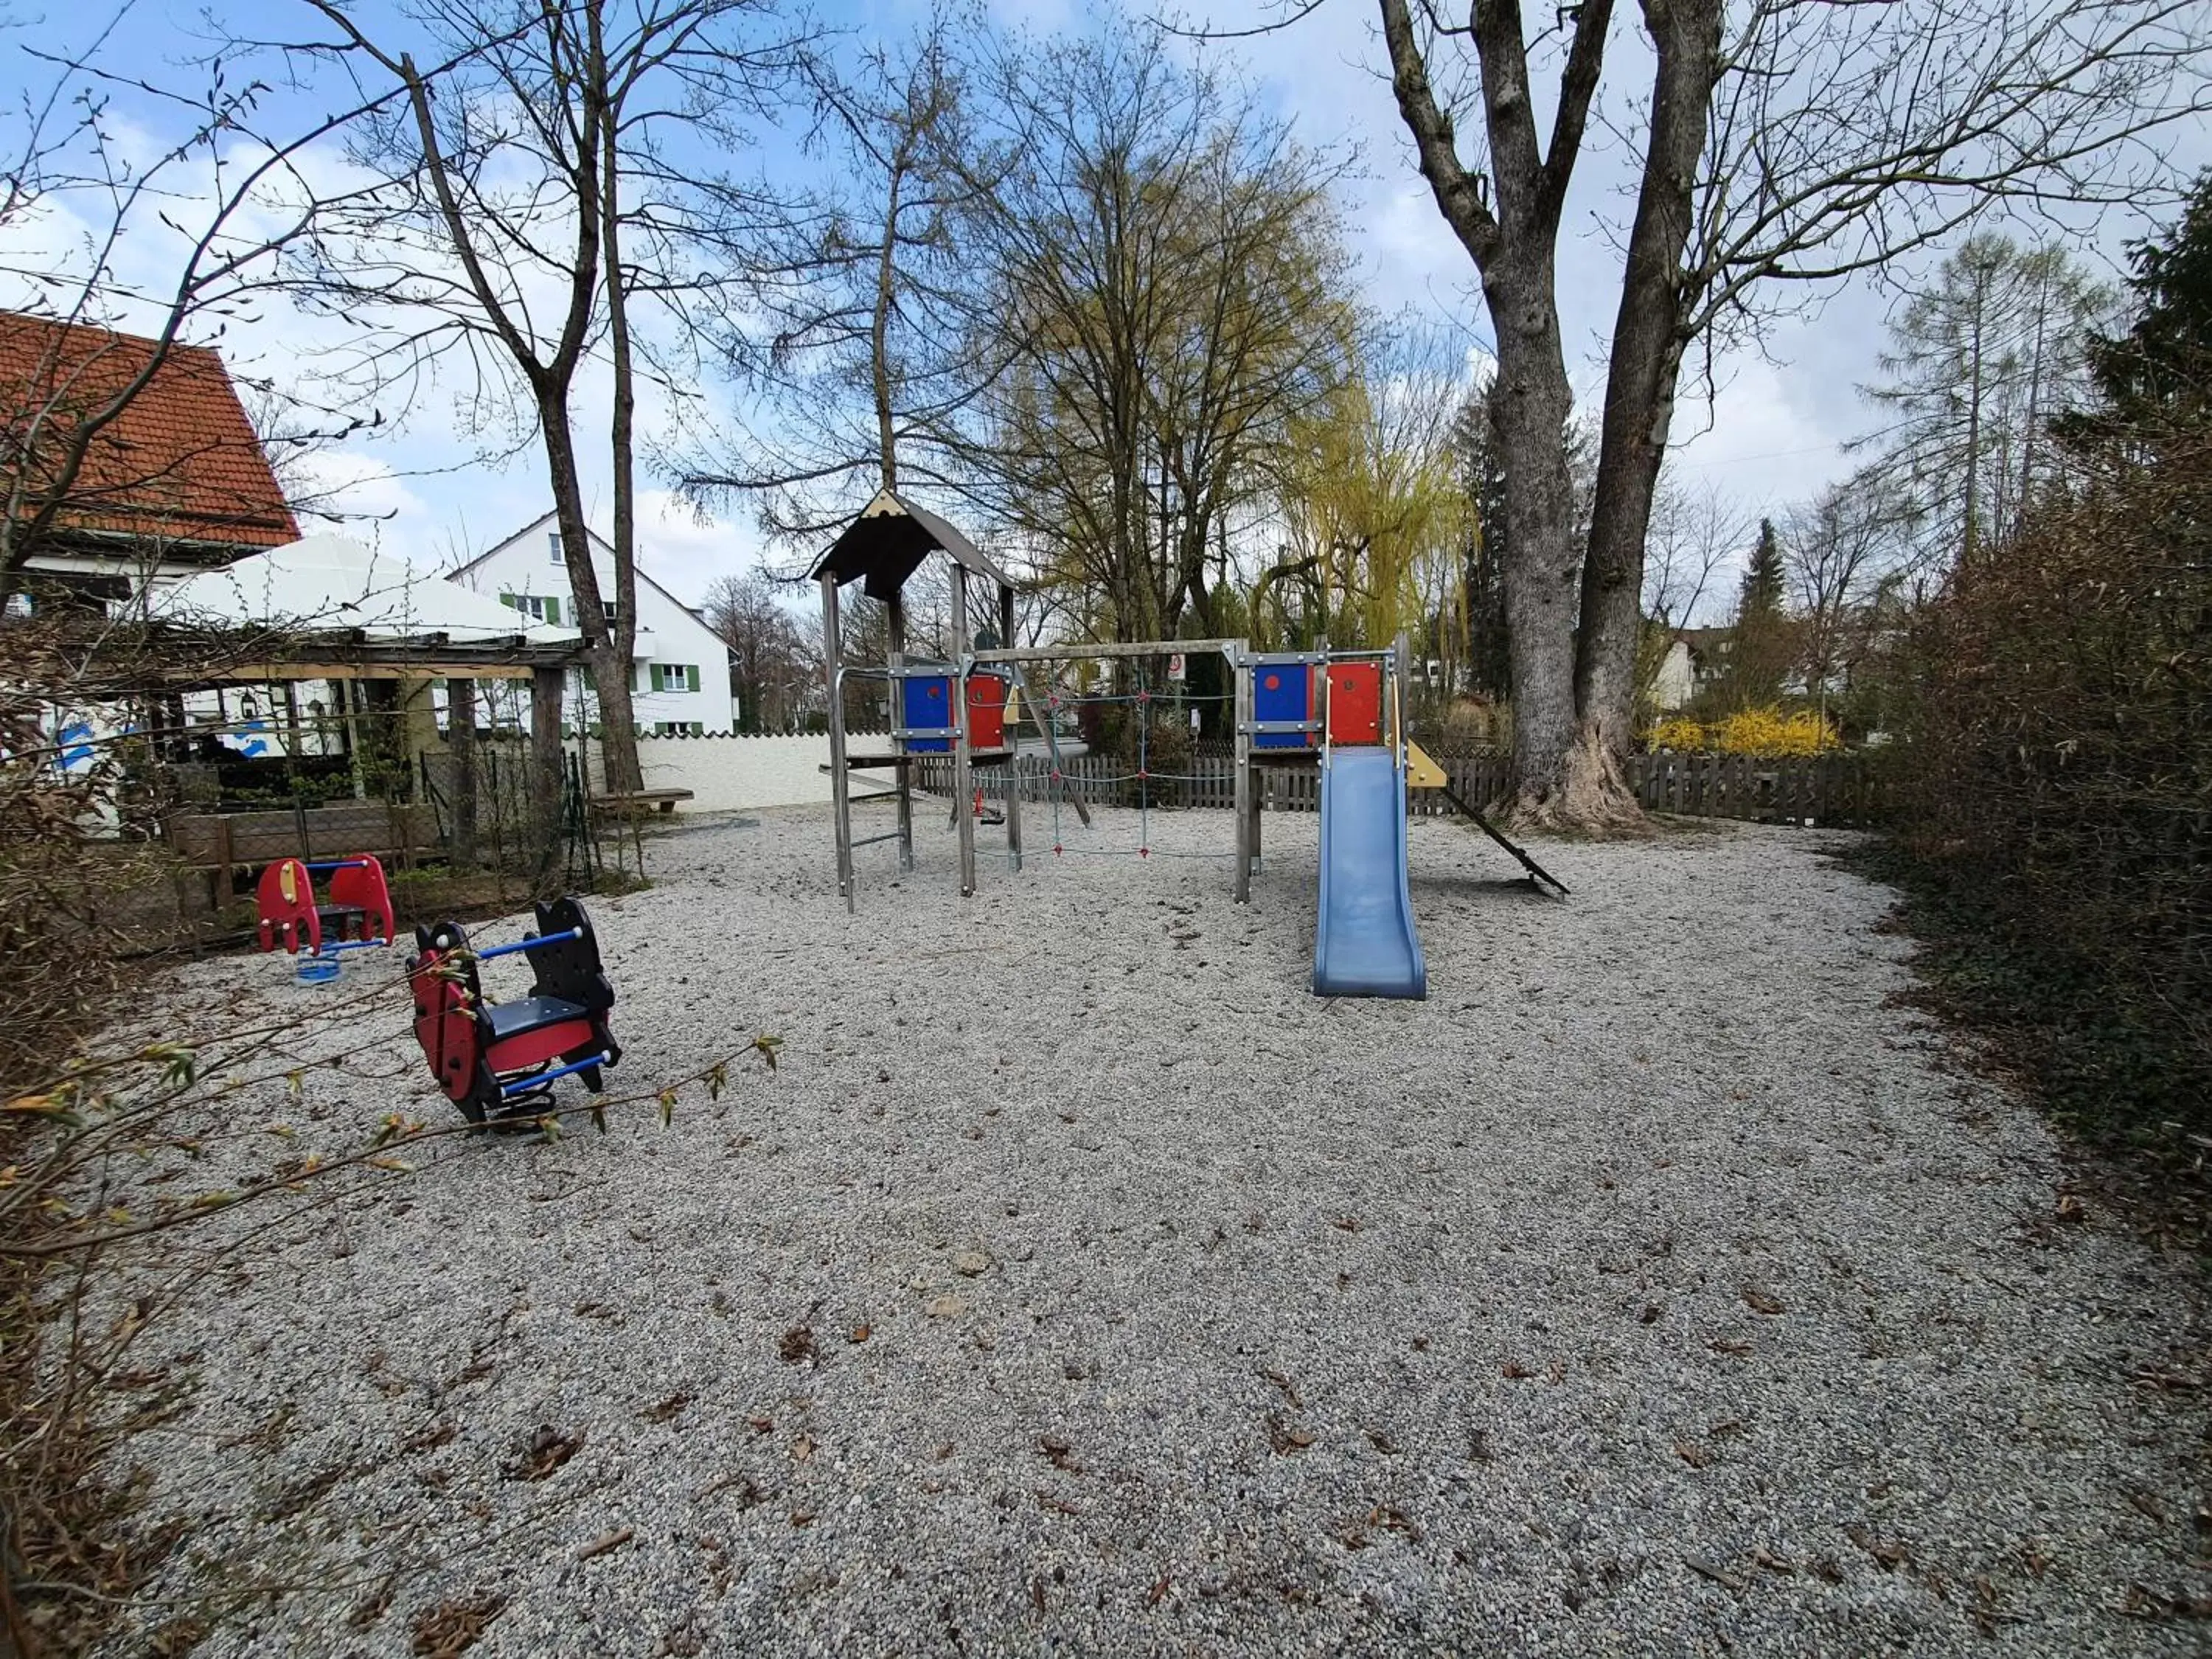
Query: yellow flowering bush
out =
(1753, 732)
(1770, 732)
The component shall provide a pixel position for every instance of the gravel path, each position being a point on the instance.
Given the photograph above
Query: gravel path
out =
(1082, 1284)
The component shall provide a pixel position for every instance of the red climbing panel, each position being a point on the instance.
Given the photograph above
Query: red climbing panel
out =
(1355, 703)
(987, 712)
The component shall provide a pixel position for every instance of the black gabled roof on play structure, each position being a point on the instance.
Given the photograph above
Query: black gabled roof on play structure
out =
(887, 542)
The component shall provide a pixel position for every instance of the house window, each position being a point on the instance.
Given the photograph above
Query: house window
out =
(679, 728)
(553, 544)
(672, 676)
(537, 608)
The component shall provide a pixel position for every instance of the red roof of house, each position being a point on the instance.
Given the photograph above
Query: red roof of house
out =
(181, 462)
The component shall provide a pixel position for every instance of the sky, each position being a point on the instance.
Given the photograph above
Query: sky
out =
(1773, 431)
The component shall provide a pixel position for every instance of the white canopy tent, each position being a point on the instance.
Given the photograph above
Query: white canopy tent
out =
(333, 585)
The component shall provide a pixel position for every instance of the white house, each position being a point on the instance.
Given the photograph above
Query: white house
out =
(679, 667)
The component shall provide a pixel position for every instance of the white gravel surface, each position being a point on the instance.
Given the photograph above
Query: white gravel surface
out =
(1082, 1284)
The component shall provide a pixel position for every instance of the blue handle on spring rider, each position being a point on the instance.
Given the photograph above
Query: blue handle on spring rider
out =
(491, 951)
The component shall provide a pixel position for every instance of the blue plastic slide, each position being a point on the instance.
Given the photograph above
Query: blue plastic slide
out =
(1364, 944)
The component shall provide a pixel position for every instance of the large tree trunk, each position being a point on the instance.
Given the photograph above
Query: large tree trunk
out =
(1645, 363)
(1529, 409)
(610, 659)
(617, 728)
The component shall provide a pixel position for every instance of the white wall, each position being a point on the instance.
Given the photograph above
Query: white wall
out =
(731, 773)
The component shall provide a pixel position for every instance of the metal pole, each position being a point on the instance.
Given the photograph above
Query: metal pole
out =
(896, 690)
(1240, 704)
(1012, 741)
(840, 793)
(963, 810)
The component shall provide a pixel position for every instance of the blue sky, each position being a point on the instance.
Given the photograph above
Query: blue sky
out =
(1772, 434)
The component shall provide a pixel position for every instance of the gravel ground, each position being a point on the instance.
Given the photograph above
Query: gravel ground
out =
(1080, 1283)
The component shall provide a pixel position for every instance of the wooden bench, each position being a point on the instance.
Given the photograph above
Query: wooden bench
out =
(636, 801)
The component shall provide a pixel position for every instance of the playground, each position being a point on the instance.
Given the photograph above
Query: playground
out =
(1079, 1280)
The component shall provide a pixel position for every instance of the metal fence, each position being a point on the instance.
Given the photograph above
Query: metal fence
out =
(1829, 789)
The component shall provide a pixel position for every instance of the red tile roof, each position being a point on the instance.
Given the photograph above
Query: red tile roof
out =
(180, 463)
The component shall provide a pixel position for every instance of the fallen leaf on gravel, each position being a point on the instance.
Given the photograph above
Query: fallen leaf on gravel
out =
(1058, 1452)
(1772, 1561)
(1154, 1596)
(1693, 1455)
(373, 1607)
(429, 1439)
(1725, 1346)
(2071, 1209)
(1349, 1224)
(1706, 1568)
(760, 1424)
(798, 1345)
(1515, 1370)
(666, 1409)
(1285, 1437)
(452, 1627)
(860, 1334)
(802, 1448)
(1889, 1552)
(2034, 1559)
(605, 1542)
(1386, 1519)
(1650, 1314)
(971, 1263)
(2142, 1602)
(2146, 1504)
(803, 1518)
(1290, 1389)
(945, 1307)
(1759, 1302)
(1825, 1567)
(1061, 1504)
(547, 1451)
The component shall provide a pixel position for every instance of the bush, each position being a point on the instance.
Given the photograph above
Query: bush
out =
(2054, 770)
(1752, 732)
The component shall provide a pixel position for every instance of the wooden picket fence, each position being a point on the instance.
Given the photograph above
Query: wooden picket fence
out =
(1829, 789)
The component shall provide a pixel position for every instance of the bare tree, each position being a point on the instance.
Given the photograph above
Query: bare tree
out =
(869, 341)
(1777, 142)
(1840, 551)
(774, 666)
(1168, 276)
(1980, 366)
(224, 198)
(532, 209)
(1694, 533)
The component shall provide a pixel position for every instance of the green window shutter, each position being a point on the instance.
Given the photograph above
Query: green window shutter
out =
(691, 678)
(553, 611)
(508, 599)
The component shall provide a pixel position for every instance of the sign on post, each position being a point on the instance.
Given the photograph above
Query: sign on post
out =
(1175, 666)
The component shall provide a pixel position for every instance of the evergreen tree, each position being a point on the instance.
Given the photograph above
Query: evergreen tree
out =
(1762, 578)
(2158, 375)
(1764, 647)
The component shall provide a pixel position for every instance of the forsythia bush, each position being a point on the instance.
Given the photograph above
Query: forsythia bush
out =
(1767, 731)
(1754, 732)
